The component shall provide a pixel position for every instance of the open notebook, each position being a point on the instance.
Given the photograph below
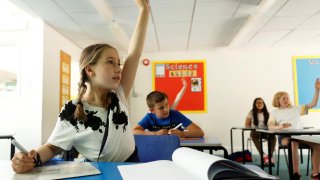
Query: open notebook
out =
(192, 165)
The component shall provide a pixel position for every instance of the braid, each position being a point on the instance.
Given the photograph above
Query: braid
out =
(79, 112)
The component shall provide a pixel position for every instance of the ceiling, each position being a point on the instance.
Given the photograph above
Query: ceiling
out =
(179, 25)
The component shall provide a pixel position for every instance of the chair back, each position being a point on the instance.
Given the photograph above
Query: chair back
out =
(156, 147)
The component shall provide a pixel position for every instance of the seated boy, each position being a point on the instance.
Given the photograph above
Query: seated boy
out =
(163, 120)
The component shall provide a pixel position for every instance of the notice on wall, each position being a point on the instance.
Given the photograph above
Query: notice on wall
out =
(183, 81)
(65, 73)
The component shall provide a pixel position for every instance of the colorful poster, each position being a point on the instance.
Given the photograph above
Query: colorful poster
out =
(171, 76)
(306, 70)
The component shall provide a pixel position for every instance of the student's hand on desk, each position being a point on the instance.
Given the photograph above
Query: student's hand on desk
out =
(176, 132)
(162, 132)
(22, 163)
(286, 125)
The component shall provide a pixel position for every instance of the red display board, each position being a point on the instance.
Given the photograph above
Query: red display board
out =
(168, 77)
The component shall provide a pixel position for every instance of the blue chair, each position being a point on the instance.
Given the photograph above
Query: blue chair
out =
(156, 147)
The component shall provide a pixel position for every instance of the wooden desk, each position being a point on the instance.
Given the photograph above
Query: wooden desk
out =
(9, 136)
(203, 143)
(313, 139)
(243, 129)
(289, 133)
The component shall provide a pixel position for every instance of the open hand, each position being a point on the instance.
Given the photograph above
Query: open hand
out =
(317, 84)
(184, 82)
(143, 4)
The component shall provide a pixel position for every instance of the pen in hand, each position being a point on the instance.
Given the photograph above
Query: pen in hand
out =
(175, 130)
(17, 145)
(24, 151)
(178, 126)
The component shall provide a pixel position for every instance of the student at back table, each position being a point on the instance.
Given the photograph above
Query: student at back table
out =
(289, 117)
(163, 120)
(258, 117)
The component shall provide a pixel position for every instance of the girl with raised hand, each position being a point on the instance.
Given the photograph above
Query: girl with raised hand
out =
(97, 123)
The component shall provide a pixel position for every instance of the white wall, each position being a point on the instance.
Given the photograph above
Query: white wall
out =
(32, 114)
(21, 113)
(52, 44)
(234, 79)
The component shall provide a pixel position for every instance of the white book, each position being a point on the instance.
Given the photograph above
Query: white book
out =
(66, 170)
(189, 164)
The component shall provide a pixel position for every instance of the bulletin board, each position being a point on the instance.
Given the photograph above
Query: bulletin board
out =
(167, 77)
(306, 70)
(65, 73)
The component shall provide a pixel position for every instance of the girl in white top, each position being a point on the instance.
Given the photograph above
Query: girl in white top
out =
(258, 117)
(101, 107)
(288, 117)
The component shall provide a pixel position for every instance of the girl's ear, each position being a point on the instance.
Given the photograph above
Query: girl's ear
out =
(89, 71)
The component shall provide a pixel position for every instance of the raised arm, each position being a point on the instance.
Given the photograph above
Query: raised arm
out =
(314, 101)
(135, 47)
(180, 94)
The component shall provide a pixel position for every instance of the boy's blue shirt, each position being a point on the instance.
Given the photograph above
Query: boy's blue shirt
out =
(153, 123)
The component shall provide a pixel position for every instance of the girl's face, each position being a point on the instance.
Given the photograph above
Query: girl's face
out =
(161, 109)
(259, 104)
(107, 71)
(284, 101)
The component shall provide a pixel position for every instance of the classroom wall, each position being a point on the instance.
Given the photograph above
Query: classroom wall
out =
(52, 44)
(234, 79)
(38, 97)
(21, 112)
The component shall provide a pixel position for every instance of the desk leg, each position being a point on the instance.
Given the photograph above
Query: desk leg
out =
(12, 151)
(290, 159)
(231, 140)
(269, 157)
(225, 152)
(261, 155)
(243, 157)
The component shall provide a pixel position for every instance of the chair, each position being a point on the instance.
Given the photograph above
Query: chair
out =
(249, 141)
(301, 147)
(66, 155)
(156, 147)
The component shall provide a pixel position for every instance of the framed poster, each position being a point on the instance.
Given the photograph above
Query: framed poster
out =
(306, 69)
(65, 73)
(170, 76)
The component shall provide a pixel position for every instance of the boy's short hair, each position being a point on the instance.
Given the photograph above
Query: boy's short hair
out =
(155, 97)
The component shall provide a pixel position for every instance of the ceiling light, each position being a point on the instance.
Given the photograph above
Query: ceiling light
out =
(120, 35)
(105, 11)
(241, 34)
(263, 7)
